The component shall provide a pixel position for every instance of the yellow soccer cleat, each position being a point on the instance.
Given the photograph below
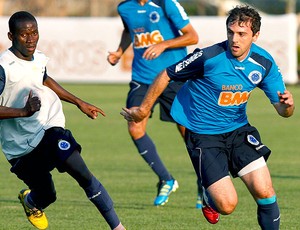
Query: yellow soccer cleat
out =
(35, 216)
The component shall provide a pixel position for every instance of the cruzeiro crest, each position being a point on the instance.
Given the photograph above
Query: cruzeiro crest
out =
(64, 145)
(154, 17)
(252, 140)
(255, 77)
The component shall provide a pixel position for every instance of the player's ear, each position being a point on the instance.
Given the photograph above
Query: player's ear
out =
(255, 37)
(10, 36)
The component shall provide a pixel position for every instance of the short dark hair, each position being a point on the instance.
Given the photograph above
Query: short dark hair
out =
(242, 14)
(17, 17)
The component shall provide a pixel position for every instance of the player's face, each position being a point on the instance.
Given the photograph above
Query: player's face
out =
(240, 38)
(24, 39)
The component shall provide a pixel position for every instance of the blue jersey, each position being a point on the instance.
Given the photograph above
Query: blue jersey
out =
(148, 25)
(214, 98)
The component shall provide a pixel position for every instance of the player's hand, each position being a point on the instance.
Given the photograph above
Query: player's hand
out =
(154, 51)
(33, 104)
(133, 114)
(114, 57)
(286, 98)
(90, 110)
(285, 107)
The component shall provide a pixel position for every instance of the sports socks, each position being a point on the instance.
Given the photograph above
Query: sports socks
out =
(29, 202)
(148, 151)
(98, 195)
(268, 213)
(94, 190)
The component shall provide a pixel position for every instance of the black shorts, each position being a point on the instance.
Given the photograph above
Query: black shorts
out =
(138, 91)
(219, 155)
(53, 150)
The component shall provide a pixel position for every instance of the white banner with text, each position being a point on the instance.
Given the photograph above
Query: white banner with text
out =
(78, 47)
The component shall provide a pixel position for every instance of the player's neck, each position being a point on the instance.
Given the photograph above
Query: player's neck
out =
(142, 2)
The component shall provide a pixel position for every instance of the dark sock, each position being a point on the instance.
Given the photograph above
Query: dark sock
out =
(29, 202)
(101, 199)
(268, 215)
(148, 151)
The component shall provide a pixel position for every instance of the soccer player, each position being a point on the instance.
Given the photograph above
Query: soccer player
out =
(159, 31)
(212, 106)
(32, 122)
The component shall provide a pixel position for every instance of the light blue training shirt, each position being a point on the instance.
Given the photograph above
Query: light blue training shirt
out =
(214, 98)
(149, 25)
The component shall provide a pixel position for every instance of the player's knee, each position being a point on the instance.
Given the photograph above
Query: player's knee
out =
(132, 132)
(226, 210)
(268, 192)
(136, 131)
(227, 206)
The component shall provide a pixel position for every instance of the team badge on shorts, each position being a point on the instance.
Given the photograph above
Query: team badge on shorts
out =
(252, 140)
(64, 145)
(255, 77)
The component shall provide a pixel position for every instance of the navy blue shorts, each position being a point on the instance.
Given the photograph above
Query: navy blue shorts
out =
(138, 91)
(53, 150)
(215, 156)
(34, 169)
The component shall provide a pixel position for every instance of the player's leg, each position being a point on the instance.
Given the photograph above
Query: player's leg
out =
(219, 192)
(148, 152)
(40, 192)
(147, 149)
(223, 195)
(219, 196)
(64, 151)
(211, 166)
(249, 159)
(146, 146)
(95, 191)
(259, 184)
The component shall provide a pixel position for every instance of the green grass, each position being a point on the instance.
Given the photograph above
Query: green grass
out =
(113, 159)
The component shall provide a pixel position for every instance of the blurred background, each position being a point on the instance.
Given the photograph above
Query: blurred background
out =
(107, 10)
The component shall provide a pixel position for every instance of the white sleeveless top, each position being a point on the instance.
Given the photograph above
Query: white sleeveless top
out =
(20, 136)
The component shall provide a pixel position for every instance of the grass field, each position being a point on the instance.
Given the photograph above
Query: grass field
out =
(113, 159)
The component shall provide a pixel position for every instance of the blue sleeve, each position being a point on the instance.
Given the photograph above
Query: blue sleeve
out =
(2, 79)
(190, 67)
(119, 12)
(273, 83)
(176, 13)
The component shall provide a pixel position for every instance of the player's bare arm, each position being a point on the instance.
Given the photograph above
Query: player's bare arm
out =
(114, 56)
(90, 110)
(189, 37)
(285, 107)
(137, 114)
(33, 104)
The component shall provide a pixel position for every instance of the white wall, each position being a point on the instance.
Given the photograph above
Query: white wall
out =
(78, 47)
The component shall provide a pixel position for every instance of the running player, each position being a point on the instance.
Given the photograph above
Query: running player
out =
(32, 122)
(212, 107)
